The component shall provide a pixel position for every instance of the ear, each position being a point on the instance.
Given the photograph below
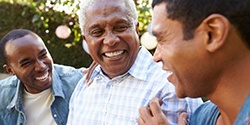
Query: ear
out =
(84, 38)
(217, 30)
(137, 28)
(8, 69)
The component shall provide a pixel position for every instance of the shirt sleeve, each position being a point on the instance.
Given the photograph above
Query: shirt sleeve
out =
(172, 106)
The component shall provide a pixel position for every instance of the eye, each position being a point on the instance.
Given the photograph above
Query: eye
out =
(97, 32)
(43, 55)
(26, 63)
(159, 41)
(121, 28)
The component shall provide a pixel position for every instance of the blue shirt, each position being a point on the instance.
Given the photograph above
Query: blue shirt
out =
(206, 114)
(243, 117)
(64, 80)
(117, 101)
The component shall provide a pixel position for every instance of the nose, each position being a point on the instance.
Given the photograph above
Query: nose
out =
(111, 39)
(40, 66)
(157, 54)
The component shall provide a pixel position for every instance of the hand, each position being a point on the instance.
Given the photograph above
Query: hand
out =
(182, 119)
(153, 114)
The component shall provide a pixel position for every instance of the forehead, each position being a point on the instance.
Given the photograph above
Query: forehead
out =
(161, 24)
(159, 18)
(24, 44)
(109, 11)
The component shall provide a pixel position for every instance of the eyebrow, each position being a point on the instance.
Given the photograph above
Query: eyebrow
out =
(155, 33)
(117, 22)
(94, 26)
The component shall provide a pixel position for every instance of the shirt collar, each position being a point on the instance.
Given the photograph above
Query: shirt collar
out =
(56, 90)
(138, 69)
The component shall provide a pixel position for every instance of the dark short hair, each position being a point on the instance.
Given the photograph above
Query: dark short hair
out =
(12, 35)
(190, 13)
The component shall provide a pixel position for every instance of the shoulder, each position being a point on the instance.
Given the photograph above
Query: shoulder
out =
(205, 114)
(10, 82)
(63, 70)
(8, 88)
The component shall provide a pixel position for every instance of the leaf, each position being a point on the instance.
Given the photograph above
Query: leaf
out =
(36, 18)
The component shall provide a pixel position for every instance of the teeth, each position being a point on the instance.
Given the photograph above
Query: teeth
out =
(45, 76)
(169, 72)
(113, 54)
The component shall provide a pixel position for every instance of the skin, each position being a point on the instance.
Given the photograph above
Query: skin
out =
(111, 37)
(186, 59)
(30, 61)
(213, 64)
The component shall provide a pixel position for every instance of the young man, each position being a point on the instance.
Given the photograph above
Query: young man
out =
(206, 46)
(38, 93)
(126, 77)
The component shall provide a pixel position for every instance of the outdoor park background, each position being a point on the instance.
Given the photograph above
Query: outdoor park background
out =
(44, 16)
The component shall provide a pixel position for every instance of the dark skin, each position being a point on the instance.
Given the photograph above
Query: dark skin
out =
(29, 59)
(216, 44)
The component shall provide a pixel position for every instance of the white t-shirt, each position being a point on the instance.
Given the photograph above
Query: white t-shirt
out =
(37, 108)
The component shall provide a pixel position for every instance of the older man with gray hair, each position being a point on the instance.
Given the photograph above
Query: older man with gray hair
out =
(126, 77)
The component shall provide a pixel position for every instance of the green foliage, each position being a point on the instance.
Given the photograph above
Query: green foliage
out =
(44, 16)
(144, 14)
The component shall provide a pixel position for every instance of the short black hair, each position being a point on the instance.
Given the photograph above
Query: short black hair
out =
(190, 13)
(12, 35)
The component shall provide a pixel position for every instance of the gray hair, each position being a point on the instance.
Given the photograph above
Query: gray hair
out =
(129, 5)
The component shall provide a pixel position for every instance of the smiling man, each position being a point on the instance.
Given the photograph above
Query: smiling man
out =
(206, 44)
(126, 77)
(38, 93)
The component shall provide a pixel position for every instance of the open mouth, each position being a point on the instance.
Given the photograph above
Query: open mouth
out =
(169, 72)
(114, 53)
(43, 77)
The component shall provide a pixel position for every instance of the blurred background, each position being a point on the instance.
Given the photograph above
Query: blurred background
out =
(56, 22)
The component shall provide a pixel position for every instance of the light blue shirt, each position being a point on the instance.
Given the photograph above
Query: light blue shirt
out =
(243, 117)
(117, 101)
(208, 113)
(64, 80)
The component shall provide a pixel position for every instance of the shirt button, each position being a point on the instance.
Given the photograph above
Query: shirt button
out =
(55, 115)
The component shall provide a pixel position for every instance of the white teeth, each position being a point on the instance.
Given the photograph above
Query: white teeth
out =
(45, 76)
(169, 72)
(113, 54)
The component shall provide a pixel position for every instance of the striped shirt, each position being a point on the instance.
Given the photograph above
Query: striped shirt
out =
(117, 101)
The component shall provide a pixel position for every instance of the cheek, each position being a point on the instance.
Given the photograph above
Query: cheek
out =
(23, 75)
(93, 46)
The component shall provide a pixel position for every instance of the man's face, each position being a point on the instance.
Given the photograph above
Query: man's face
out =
(185, 59)
(30, 61)
(111, 37)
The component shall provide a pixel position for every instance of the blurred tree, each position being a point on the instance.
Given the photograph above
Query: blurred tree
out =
(44, 16)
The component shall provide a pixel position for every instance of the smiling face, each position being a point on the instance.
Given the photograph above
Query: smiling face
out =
(30, 61)
(186, 59)
(111, 37)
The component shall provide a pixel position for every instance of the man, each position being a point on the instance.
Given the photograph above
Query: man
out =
(126, 77)
(38, 93)
(205, 44)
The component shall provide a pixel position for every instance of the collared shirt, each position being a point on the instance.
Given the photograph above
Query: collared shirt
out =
(208, 113)
(243, 117)
(117, 101)
(64, 80)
